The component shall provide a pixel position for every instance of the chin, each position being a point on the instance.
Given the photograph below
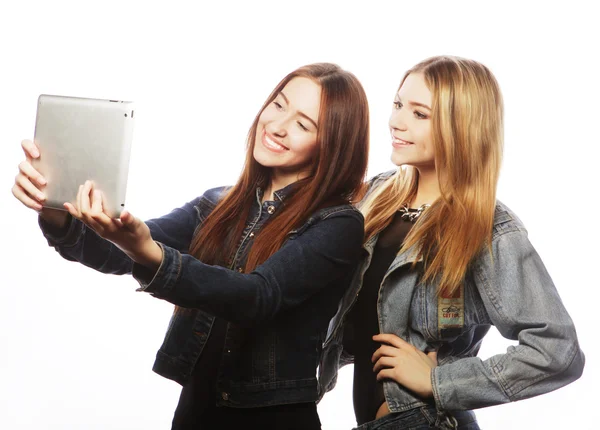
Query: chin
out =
(264, 158)
(399, 160)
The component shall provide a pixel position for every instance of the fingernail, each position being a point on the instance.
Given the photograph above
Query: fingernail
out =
(42, 181)
(41, 197)
(35, 152)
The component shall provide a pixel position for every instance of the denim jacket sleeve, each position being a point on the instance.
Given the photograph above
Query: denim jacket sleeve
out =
(523, 304)
(77, 242)
(306, 263)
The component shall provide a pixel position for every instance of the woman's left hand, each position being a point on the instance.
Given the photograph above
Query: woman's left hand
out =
(405, 364)
(129, 233)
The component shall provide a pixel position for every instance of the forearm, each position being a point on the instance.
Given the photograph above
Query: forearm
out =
(185, 281)
(472, 383)
(302, 267)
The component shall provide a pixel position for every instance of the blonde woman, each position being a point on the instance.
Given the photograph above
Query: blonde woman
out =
(445, 262)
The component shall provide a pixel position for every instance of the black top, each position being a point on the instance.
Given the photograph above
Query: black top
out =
(368, 393)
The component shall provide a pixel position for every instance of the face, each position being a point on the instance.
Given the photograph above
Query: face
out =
(286, 136)
(410, 124)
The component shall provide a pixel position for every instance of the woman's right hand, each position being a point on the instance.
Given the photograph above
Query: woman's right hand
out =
(29, 184)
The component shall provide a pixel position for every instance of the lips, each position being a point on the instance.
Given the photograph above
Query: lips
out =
(271, 143)
(399, 143)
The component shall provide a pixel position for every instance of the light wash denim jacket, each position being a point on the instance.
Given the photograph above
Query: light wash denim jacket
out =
(509, 289)
(277, 315)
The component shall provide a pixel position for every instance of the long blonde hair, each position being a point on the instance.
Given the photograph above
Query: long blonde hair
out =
(467, 136)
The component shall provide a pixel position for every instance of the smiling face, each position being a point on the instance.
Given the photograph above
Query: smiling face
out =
(286, 134)
(410, 124)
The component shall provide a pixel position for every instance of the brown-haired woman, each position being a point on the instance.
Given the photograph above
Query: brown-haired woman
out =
(446, 261)
(256, 270)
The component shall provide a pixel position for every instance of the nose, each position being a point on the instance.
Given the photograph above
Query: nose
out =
(278, 126)
(397, 121)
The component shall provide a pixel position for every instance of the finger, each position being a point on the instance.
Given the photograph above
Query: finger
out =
(97, 201)
(385, 374)
(128, 220)
(84, 206)
(30, 148)
(24, 198)
(28, 170)
(391, 339)
(384, 351)
(96, 226)
(98, 215)
(28, 187)
(432, 355)
(385, 363)
(72, 210)
(78, 200)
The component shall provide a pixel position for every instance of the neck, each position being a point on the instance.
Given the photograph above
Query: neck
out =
(280, 180)
(428, 189)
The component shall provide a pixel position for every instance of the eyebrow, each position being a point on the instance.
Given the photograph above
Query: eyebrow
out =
(302, 114)
(416, 103)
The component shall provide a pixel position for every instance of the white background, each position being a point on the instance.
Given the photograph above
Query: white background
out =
(76, 347)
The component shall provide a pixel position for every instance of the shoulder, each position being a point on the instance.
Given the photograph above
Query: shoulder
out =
(345, 219)
(214, 195)
(375, 182)
(506, 221)
(380, 178)
(204, 204)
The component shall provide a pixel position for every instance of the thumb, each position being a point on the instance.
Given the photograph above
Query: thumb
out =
(433, 356)
(128, 220)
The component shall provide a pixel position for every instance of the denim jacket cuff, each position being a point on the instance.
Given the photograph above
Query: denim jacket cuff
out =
(66, 236)
(435, 390)
(166, 276)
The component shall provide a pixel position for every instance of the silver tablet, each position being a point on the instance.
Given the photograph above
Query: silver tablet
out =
(81, 139)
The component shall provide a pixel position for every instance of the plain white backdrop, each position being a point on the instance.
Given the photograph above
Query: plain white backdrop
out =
(76, 347)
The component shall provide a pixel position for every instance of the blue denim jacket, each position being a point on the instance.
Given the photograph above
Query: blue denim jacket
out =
(278, 314)
(509, 289)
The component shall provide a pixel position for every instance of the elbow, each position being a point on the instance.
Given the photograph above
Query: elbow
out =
(575, 368)
(570, 367)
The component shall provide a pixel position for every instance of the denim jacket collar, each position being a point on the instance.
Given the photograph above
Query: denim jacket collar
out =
(279, 195)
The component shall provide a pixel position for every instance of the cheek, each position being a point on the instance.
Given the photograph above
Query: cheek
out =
(307, 147)
(424, 135)
(267, 115)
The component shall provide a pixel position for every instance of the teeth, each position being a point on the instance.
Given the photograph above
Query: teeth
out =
(401, 142)
(274, 144)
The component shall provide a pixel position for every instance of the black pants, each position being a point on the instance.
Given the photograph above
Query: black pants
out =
(299, 416)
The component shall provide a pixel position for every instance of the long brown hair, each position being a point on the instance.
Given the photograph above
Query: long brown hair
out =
(336, 174)
(467, 136)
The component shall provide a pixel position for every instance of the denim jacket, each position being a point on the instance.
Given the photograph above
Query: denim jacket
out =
(509, 288)
(277, 315)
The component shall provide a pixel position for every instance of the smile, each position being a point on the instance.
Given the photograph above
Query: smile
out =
(399, 143)
(271, 144)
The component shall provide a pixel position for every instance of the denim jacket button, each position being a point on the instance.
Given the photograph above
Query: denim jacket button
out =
(240, 269)
(225, 396)
(251, 235)
(271, 210)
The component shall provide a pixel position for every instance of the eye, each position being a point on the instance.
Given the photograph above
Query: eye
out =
(398, 104)
(278, 105)
(420, 115)
(302, 126)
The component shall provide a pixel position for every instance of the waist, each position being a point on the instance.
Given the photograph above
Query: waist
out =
(423, 416)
